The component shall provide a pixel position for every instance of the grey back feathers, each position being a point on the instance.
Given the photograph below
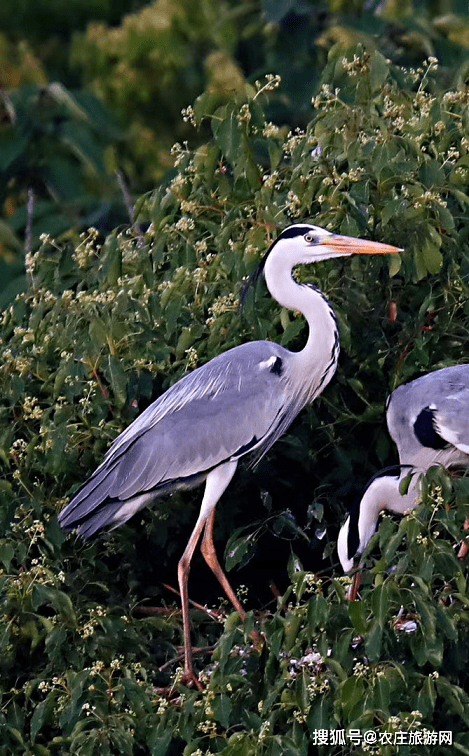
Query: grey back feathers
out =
(428, 418)
(238, 402)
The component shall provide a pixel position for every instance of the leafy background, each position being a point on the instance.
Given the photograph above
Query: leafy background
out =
(292, 110)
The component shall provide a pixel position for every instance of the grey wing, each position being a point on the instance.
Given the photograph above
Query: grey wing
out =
(431, 414)
(238, 402)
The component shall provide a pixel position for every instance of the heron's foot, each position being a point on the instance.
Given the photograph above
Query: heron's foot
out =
(190, 680)
(173, 691)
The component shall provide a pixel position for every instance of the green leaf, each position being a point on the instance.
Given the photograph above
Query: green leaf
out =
(159, 744)
(7, 552)
(239, 550)
(318, 612)
(357, 613)
(112, 259)
(380, 603)
(320, 716)
(13, 142)
(84, 145)
(379, 70)
(227, 133)
(8, 237)
(395, 264)
(222, 707)
(455, 697)
(117, 378)
(60, 601)
(431, 255)
(373, 640)
(381, 694)
(63, 96)
(41, 714)
(98, 331)
(427, 697)
(351, 697)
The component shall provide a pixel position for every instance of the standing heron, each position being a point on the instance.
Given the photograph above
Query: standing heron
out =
(428, 419)
(240, 402)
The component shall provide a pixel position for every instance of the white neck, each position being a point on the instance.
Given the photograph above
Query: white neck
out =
(382, 494)
(319, 355)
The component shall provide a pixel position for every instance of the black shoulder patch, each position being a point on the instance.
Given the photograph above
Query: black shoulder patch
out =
(277, 367)
(424, 429)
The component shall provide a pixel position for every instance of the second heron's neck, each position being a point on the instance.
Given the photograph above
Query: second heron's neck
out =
(322, 347)
(383, 494)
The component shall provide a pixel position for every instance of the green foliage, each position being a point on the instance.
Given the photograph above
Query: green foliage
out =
(108, 325)
(156, 62)
(146, 61)
(162, 56)
(52, 167)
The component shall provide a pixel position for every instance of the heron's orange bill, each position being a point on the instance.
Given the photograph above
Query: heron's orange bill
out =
(350, 246)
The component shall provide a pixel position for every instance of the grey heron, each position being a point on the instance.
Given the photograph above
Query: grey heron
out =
(238, 403)
(428, 421)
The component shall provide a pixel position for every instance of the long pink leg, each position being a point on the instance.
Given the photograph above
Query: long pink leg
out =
(183, 576)
(216, 482)
(208, 551)
(353, 590)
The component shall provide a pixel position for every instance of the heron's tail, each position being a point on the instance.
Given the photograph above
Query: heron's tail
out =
(94, 507)
(109, 514)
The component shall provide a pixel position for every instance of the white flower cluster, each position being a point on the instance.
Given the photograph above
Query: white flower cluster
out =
(179, 152)
(87, 248)
(357, 66)
(222, 304)
(188, 115)
(185, 224)
(87, 630)
(272, 82)
(31, 408)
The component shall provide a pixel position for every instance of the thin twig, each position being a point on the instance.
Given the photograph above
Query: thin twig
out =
(128, 203)
(197, 651)
(28, 239)
(213, 613)
(157, 610)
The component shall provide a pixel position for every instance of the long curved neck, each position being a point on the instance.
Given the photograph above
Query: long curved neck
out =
(383, 493)
(321, 351)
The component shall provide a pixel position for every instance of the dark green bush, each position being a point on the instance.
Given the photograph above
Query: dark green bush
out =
(107, 326)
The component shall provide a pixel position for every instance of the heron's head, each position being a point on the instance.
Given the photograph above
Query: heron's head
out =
(305, 243)
(381, 493)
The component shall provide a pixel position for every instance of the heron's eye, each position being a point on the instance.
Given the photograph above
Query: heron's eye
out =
(308, 238)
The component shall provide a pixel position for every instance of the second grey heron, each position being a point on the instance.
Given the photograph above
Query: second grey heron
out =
(428, 419)
(240, 402)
